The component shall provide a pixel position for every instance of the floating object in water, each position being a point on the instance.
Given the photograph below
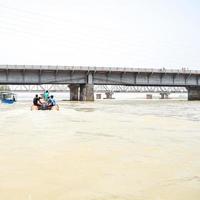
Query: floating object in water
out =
(7, 97)
(45, 107)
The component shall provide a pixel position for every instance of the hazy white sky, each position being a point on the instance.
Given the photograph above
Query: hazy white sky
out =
(124, 33)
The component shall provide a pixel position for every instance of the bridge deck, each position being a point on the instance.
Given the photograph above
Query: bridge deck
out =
(40, 74)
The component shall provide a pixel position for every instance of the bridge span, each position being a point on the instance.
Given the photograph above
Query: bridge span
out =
(81, 80)
(98, 88)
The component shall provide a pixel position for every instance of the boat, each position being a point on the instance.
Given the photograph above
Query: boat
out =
(44, 106)
(8, 97)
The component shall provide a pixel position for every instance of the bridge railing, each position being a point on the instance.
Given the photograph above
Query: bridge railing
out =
(94, 69)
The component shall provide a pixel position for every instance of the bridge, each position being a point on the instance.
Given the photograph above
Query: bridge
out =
(109, 90)
(81, 80)
(98, 88)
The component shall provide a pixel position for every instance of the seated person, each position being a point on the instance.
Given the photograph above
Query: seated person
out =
(36, 101)
(51, 101)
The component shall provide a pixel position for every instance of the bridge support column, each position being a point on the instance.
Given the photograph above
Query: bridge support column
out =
(74, 88)
(109, 95)
(164, 95)
(193, 93)
(149, 96)
(87, 92)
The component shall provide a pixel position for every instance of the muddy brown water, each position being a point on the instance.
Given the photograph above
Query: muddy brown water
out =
(106, 150)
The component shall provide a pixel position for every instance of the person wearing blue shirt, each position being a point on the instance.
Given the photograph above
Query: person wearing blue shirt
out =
(51, 101)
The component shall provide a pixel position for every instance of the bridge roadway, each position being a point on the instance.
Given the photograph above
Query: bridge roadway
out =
(81, 80)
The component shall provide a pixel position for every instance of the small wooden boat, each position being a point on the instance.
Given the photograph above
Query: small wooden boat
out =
(44, 106)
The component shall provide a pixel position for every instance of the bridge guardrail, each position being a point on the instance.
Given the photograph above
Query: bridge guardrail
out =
(106, 69)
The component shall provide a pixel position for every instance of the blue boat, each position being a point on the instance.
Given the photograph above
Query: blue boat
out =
(7, 97)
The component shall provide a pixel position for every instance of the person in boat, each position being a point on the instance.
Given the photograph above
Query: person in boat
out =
(46, 95)
(36, 101)
(51, 102)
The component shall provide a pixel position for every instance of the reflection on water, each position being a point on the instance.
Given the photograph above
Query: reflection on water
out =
(106, 150)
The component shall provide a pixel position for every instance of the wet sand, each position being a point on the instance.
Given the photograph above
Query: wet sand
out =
(106, 150)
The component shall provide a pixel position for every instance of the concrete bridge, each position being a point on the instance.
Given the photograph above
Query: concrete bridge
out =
(81, 80)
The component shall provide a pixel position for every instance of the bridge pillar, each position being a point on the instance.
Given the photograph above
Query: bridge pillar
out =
(87, 92)
(164, 95)
(193, 93)
(74, 88)
(149, 96)
(109, 95)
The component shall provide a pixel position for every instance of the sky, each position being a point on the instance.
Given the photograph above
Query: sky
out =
(104, 33)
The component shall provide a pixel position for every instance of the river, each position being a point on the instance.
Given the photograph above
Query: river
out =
(103, 150)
